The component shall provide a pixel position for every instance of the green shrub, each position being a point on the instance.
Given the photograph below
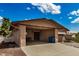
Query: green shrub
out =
(76, 39)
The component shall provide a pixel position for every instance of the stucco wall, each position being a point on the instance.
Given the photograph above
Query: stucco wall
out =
(46, 33)
(22, 35)
(19, 36)
(16, 37)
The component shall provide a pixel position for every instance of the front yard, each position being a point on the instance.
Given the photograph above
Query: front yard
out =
(11, 52)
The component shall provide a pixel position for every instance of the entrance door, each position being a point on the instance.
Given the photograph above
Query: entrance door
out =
(36, 36)
(60, 38)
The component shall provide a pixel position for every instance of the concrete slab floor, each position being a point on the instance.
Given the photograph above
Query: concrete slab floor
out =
(50, 49)
(35, 43)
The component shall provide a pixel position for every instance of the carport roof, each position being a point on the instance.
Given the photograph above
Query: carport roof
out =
(40, 19)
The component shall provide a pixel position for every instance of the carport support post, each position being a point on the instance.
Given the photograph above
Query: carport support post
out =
(22, 36)
(56, 35)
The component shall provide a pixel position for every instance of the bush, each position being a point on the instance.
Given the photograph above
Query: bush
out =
(76, 39)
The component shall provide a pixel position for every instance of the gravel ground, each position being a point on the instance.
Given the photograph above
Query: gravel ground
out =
(74, 44)
(11, 52)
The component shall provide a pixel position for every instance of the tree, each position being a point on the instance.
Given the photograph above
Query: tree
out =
(5, 28)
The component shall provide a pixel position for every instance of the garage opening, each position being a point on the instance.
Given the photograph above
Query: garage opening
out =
(33, 37)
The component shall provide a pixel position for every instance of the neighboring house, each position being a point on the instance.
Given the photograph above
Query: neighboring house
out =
(72, 33)
(38, 30)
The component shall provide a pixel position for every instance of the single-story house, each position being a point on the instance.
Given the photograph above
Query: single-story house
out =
(41, 29)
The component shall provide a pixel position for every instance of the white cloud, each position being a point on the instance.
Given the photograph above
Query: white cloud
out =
(48, 8)
(75, 21)
(70, 17)
(28, 8)
(40, 8)
(76, 12)
(1, 17)
(26, 19)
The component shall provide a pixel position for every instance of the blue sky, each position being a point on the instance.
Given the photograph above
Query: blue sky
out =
(64, 13)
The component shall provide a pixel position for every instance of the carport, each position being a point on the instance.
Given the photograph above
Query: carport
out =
(38, 35)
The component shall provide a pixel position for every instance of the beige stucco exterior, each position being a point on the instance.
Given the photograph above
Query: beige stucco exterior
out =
(45, 27)
(22, 35)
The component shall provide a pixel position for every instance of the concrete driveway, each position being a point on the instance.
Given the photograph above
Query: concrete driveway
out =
(49, 49)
